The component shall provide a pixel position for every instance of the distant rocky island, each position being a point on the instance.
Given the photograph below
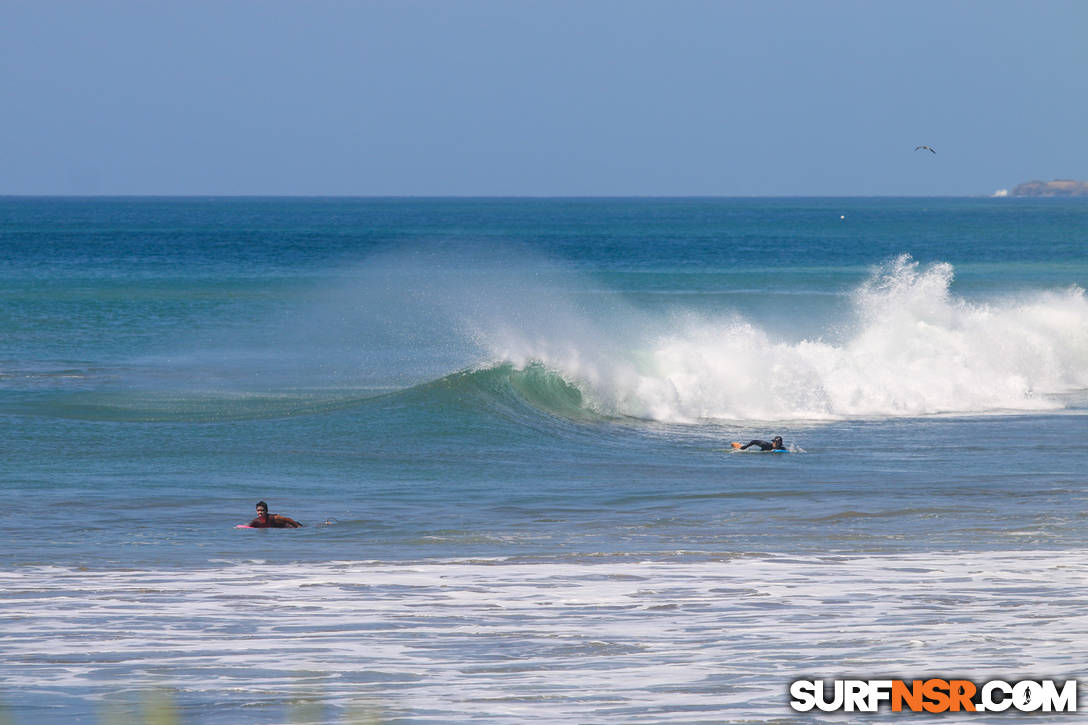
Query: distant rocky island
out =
(1058, 187)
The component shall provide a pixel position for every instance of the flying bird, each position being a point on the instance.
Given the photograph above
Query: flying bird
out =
(927, 148)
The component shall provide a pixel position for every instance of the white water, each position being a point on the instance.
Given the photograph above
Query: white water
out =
(912, 348)
(682, 640)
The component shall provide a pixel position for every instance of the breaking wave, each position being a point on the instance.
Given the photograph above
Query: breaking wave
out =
(534, 340)
(911, 349)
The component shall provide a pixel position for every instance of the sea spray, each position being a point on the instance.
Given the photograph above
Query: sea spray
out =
(904, 345)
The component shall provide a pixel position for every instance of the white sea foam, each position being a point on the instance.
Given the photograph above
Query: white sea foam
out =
(712, 639)
(912, 349)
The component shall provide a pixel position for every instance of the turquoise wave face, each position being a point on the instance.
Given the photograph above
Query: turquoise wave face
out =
(500, 390)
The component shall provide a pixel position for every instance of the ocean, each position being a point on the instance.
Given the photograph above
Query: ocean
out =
(506, 426)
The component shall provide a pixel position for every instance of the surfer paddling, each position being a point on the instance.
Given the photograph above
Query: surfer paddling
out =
(266, 520)
(776, 444)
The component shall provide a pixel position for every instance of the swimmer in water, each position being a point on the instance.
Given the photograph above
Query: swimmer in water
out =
(266, 520)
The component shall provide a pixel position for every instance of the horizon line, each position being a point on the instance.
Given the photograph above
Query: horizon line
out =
(991, 195)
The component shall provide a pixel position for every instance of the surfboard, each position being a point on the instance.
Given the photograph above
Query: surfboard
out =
(247, 526)
(756, 450)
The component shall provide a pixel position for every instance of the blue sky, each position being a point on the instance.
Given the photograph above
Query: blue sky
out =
(556, 98)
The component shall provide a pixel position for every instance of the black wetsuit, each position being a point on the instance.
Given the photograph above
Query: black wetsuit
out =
(763, 446)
